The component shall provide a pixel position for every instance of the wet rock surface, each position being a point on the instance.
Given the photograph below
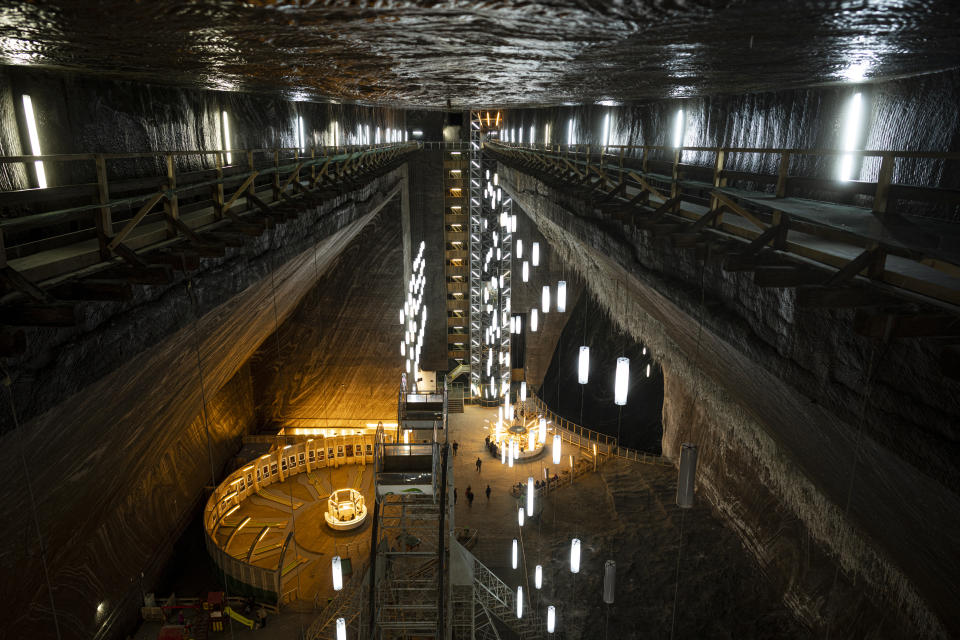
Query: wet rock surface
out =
(779, 415)
(503, 52)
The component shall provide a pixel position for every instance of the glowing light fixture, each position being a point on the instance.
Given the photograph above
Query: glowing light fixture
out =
(519, 249)
(851, 134)
(337, 574)
(530, 497)
(34, 141)
(545, 299)
(551, 619)
(535, 254)
(561, 296)
(519, 518)
(523, 391)
(620, 385)
(556, 448)
(542, 430)
(300, 139)
(648, 371)
(583, 365)
(538, 576)
(519, 602)
(606, 130)
(678, 129)
(570, 131)
(514, 554)
(525, 271)
(341, 629)
(225, 120)
(533, 320)
(575, 555)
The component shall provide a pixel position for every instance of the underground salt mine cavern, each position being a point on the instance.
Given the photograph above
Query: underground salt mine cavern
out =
(480, 321)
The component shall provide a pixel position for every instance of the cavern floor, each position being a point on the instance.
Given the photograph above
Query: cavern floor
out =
(627, 513)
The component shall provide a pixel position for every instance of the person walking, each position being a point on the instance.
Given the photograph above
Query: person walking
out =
(456, 445)
(469, 498)
(488, 493)
(479, 464)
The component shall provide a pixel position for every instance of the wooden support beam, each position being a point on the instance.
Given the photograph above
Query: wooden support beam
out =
(824, 297)
(758, 243)
(103, 220)
(134, 221)
(129, 256)
(18, 282)
(93, 289)
(886, 325)
(48, 315)
(850, 270)
(179, 260)
(737, 209)
(661, 211)
(786, 276)
(171, 205)
(741, 262)
(243, 187)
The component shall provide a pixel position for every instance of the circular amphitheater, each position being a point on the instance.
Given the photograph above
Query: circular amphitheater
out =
(273, 525)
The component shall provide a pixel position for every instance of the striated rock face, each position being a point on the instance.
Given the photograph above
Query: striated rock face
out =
(125, 419)
(677, 570)
(834, 477)
(338, 354)
(502, 52)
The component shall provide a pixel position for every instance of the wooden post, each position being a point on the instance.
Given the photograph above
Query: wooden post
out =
(170, 204)
(717, 170)
(313, 166)
(218, 191)
(782, 174)
(104, 216)
(880, 196)
(251, 190)
(276, 174)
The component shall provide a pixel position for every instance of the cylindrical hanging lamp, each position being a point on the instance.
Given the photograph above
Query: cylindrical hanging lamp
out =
(514, 554)
(530, 497)
(561, 296)
(609, 580)
(337, 574)
(687, 474)
(538, 576)
(622, 380)
(556, 448)
(551, 619)
(574, 556)
(583, 366)
(545, 299)
(535, 254)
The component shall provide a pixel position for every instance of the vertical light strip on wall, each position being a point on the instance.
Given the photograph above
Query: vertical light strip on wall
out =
(533, 134)
(678, 130)
(606, 130)
(225, 121)
(302, 141)
(34, 141)
(851, 134)
(570, 131)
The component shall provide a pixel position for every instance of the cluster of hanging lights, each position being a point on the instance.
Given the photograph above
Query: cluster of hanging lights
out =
(413, 316)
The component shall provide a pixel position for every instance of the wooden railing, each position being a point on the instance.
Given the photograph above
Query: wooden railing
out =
(126, 195)
(588, 439)
(638, 187)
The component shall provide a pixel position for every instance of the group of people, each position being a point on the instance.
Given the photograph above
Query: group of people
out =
(470, 495)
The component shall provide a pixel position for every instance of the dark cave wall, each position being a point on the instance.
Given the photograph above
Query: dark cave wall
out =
(782, 389)
(110, 418)
(85, 114)
(638, 423)
(914, 114)
(337, 355)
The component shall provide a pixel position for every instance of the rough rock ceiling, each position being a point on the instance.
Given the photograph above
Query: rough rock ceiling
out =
(495, 53)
